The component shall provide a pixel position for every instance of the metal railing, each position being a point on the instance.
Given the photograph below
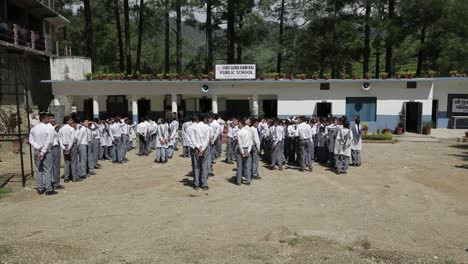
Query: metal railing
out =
(21, 36)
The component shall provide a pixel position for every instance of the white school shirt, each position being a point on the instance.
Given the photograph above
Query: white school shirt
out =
(304, 131)
(175, 126)
(292, 131)
(202, 136)
(356, 130)
(115, 130)
(81, 135)
(221, 126)
(55, 140)
(162, 134)
(343, 142)
(277, 133)
(214, 130)
(263, 127)
(235, 130)
(191, 134)
(124, 129)
(152, 128)
(41, 136)
(66, 136)
(245, 140)
(185, 136)
(173, 129)
(255, 137)
(142, 128)
(230, 131)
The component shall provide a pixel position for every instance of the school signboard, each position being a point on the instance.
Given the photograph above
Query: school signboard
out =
(460, 105)
(235, 72)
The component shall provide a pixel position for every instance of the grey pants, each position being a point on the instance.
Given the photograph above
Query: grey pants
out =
(83, 159)
(244, 167)
(200, 167)
(186, 152)
(124, 147)
(305, 147)
(96, 150)
(229, 149)
(71, 164)
(169, 152)
(332, 159)
(161, 154)
(43, 171)
(117, 152)
(210, 151)
(55, 151)
(356, 156)
(277, 155)
(152, 143)
(90, 157)
(342, 163)
(255, 160)
(143, 145)
(219, 146)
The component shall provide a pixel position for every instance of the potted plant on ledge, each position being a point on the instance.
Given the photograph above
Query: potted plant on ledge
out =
(399, 129)
(365, 128)
(428, 127)
(88, 76)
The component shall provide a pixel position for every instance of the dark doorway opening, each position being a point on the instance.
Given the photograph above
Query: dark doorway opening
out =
(117, 105)
(144, 108)
(413, 117)
(323, 109)
(237, 108)
(205, 105)
(88, 109)
(435, 110)
(270, 108)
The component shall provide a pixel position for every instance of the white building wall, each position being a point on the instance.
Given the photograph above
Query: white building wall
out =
(69, 68)
(442, 89)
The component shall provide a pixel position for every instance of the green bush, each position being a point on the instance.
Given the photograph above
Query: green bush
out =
(385, 136)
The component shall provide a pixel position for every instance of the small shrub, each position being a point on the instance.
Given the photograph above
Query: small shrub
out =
(384, 136)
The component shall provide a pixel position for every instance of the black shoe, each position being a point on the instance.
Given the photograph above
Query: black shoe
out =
(257, 177)
(301, 169)
(238, 183)
(205, 188)
(310, 169)
(280, 168)
(59, 187)
(40, 192)
(92, 173)
(196, 188)
(77, 180)
(66, 181)
(272, 167)
(51, 193)
(211, 174)
(248, 183)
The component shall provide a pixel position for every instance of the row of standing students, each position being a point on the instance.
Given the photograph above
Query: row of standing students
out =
(82, 144)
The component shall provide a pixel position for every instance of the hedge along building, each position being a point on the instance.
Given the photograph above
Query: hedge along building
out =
(384, 105)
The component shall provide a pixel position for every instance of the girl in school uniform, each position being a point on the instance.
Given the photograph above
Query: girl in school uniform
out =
(356, 146)
(342, 151)
(322, 142)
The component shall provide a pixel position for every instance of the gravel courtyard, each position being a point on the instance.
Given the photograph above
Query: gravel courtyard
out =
(408, 203)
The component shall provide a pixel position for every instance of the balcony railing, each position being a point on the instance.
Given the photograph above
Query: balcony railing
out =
(21, 36)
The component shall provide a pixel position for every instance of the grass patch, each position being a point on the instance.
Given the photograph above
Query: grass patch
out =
(294, 242)
(193, 260)
(5, 191)
(366, 244)
(5, 250)
(384, 136)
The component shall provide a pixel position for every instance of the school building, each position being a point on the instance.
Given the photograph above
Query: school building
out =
(380, 103)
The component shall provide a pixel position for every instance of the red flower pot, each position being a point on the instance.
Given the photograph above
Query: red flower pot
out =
(399, 130)
(426, 130)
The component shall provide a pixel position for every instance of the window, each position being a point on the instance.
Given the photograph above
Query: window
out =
(365, 107)
(324, 86)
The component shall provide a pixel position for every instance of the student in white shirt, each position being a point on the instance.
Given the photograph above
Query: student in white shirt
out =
(304, 132)
(67, 139)
(173, 129)
(342, 150)
(175, 125)
(162, 139)
(277, 149)
(41, 139)
(244, 158)
(142, 131)
(332, 130)
(219, 141)
(185, 139)
(356, 146)
(200, 137)
(56, 155)
(115, 129)
(255, 153)
(189, 137)
(230, 151)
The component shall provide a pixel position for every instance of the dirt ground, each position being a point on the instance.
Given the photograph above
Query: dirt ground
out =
(408, 203)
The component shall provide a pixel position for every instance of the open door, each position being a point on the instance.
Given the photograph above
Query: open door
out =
(413, 116)
(323, 109)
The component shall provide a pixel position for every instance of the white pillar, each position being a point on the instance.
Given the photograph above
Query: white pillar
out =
(255, 105)
(174, 103)
(135, 109)
(214, 104)
(95, 107)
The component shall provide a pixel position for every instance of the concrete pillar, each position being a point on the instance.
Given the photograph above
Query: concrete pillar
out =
(95, 107)
(174, 103)
(255, 106)
(214, 104)
(135, 116)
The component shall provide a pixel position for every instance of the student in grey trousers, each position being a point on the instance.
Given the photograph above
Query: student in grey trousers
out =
(67, 140)
(244, 158)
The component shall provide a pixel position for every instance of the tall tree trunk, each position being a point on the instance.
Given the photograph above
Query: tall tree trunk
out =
(231, 33)
(389, 40)
(421, 51)
(119, 35)
(209, 38)
(179, 37)
(367, 34)
(128, 53)
(88, 29)
(166, 38)
(239, 40)
(280, 41)
(140, 34)
(377, 64)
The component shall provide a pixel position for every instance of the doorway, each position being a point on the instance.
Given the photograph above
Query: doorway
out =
(323, 109)
(144, 108)
(270, 108)
(413, 114)
(88, 109)
(117, 105)
(435, 111)
(205, 105)
(237, 108)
